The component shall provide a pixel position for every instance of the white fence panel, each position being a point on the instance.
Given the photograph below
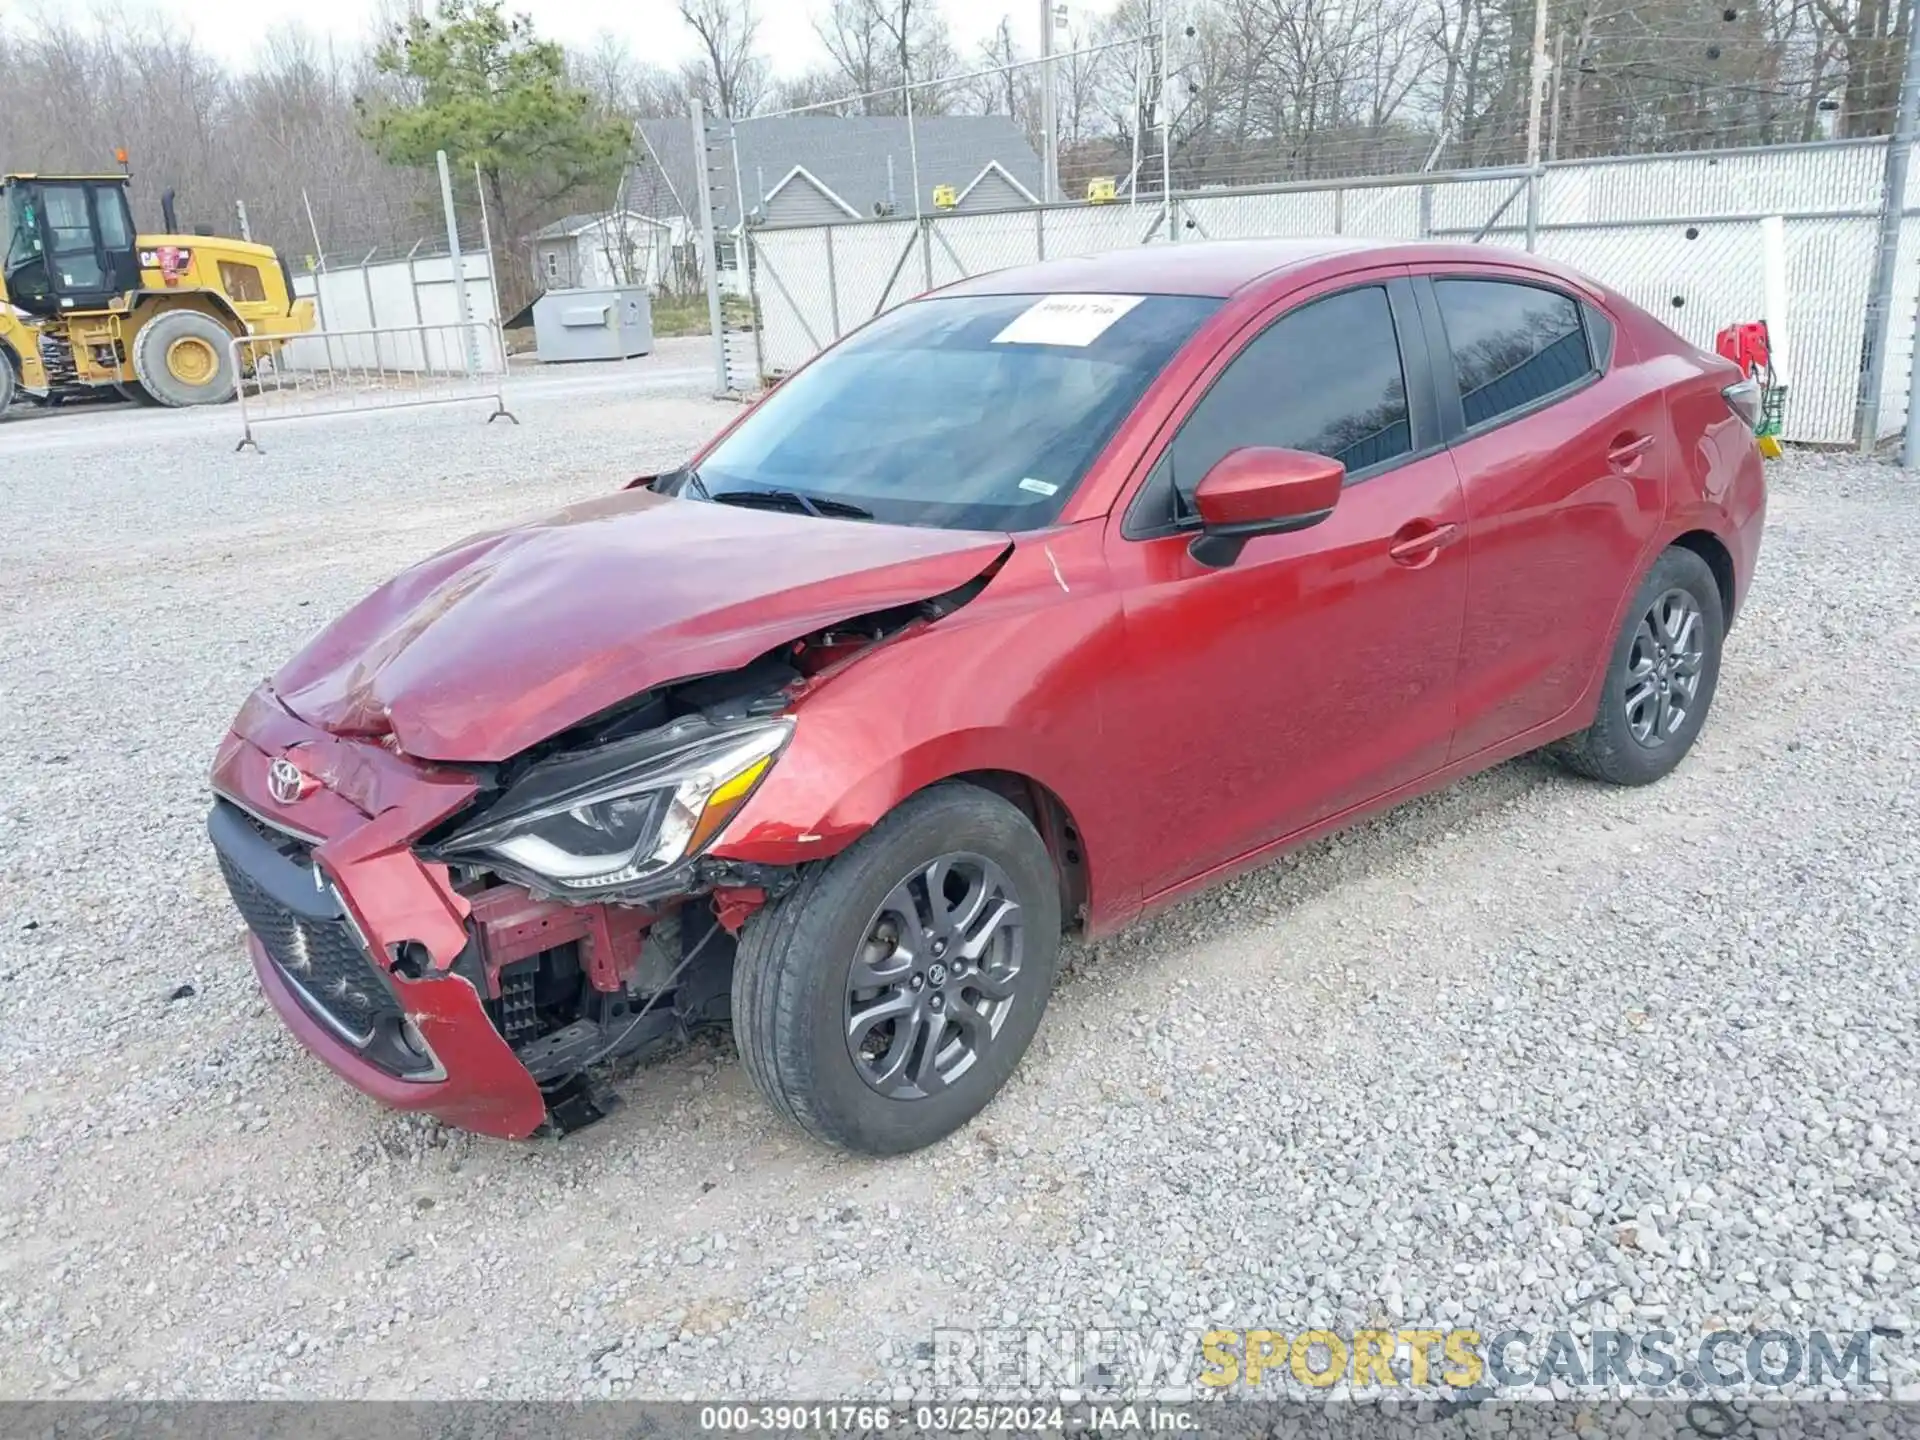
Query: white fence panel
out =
(1695, 286)
(1460, 210)
(1829, 272)
(393, 296)
(1381, 213)
(1741, 182)
(1277, 216)
(966, 245)
(797, 309)
(1096, 229)
(879, 264)
(1906, 284)
(1678, 234)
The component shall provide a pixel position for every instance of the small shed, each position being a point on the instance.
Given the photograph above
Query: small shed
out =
(582, 252)
(612, 324)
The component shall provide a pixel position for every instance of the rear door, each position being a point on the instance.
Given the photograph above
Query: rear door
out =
(1562, 461)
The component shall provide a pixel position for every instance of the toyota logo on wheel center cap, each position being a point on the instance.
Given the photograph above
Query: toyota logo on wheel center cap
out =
(288, 783)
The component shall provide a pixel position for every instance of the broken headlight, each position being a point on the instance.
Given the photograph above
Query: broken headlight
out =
(597, 821)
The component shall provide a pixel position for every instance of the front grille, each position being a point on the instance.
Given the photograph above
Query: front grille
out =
(323, 958)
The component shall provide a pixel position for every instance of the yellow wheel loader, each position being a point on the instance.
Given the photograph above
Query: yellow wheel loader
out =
(88, 304)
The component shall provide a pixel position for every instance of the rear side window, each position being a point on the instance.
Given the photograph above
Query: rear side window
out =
(1512, 344)
(1324, 378)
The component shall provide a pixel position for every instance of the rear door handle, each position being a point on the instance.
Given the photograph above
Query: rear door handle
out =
(1421, 546)
(1625, 454)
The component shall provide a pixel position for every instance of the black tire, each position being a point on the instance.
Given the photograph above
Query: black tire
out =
(199, 334)
(794, 967)
(8, 384)
(1620, 746)
(134, 393)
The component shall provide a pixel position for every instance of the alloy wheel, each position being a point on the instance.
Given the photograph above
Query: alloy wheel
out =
(1663, 668)
(933, 982)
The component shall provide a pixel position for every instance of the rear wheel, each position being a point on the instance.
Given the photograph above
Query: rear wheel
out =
(885, 1000)
(8, 384)
(134, 393)
(181, 358)
(1660, 680)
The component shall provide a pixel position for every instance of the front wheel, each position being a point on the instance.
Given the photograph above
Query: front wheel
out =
(883, 1001)
(182, 358)
(1660, 680)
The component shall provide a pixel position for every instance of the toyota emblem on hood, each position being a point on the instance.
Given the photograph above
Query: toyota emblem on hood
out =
(288, 783)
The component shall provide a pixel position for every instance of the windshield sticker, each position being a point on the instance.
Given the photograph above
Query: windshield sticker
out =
(1076, 320)
(1039, 487)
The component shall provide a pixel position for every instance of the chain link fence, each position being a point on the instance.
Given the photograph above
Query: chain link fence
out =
(1787, 233)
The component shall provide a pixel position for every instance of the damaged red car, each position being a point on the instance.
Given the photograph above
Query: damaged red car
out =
(1033, 604)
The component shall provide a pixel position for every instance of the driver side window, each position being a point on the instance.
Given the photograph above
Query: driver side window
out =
(1324, 378)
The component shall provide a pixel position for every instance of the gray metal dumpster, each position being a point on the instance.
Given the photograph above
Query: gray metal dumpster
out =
(592, 325)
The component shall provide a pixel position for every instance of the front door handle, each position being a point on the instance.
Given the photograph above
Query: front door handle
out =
(1417, 546)
(1626, 453)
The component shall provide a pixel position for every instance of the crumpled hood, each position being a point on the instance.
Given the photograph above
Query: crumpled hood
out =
(508, 638)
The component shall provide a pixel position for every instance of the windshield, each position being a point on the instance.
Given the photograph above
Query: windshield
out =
(977, 412)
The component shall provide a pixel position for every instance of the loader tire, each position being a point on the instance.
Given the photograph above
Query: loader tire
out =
(181, 358)
(945, 915)
(8, 387)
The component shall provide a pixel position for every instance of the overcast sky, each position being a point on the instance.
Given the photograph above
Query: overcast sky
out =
(653, 28)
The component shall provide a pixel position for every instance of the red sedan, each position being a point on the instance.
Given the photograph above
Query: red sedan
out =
(1034, 604)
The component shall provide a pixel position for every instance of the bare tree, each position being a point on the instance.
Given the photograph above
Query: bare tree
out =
(878, 46)
(823, 90)
(856, 41)
(623, 84)
(736, 74)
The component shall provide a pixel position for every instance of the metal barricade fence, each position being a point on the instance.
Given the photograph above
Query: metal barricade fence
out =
(337, 372)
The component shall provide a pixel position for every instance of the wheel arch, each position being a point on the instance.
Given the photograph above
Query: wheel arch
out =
(1712, 549)
(843, 808)
(150, 305)
(1051, 817)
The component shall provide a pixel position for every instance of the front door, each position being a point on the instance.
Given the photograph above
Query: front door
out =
(1316, 672)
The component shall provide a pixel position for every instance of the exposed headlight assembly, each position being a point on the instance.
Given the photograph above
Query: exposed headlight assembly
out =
(618, 815)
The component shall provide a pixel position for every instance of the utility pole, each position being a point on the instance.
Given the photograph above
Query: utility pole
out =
(1166, 118)
(1893, 201)
(459, 264)
(1554, 97)
(1049, 115)
(709, 251)
(1535, 99)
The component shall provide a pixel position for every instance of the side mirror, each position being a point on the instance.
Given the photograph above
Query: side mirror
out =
(1261, 490)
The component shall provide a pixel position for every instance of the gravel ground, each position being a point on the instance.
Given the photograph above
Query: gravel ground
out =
(1526, 1051)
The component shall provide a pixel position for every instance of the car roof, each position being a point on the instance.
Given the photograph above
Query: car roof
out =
(1222, 267)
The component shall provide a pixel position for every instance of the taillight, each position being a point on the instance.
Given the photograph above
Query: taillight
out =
(1744, 400)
